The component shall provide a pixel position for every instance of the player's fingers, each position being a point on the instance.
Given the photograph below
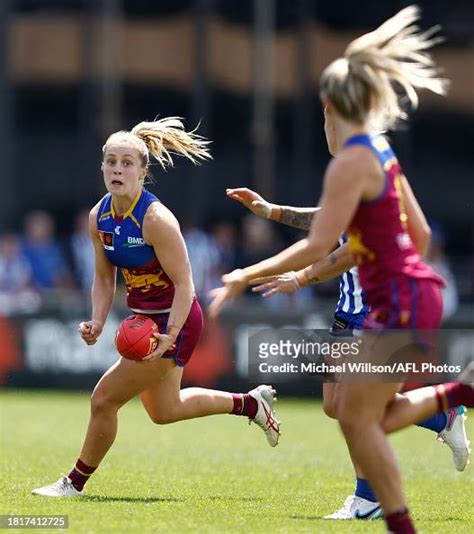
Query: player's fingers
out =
(163, 339)
(262, 280)
(263, 287)
(237, 197)
(242, 190)
(94, 330)
(270, 292)
(232, 192)
(163, 347)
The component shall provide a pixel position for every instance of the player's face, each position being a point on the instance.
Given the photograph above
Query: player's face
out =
(123, 169)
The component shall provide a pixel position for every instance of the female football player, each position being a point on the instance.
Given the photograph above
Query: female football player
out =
(362, 193)
(349, 315)
(131, 229)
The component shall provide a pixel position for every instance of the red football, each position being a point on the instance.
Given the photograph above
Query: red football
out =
(134, 338)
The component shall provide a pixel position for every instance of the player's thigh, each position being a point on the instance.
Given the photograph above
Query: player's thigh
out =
(363, 403)
(126, 379)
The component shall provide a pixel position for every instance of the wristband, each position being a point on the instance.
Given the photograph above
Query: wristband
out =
(267, 211)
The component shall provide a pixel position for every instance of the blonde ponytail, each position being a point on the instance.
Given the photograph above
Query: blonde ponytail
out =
(167, 136)
(361, 84)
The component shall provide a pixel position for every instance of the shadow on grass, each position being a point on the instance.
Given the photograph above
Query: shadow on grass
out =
(308, 517)
(216, 498)
(110, 498)
(233, 499)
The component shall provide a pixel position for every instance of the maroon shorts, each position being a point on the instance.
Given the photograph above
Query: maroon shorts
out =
(409, 310)
(411, 303)
(188, 337)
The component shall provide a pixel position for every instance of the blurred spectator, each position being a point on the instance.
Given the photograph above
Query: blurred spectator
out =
(259, 241)
(224, 238)
(203, 256)
(83, 252)
(438, 261)
(16, 285)
(47, 262)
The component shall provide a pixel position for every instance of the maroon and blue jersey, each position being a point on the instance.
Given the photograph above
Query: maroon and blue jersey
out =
(148, 286)
(388, 264)
(149, 289)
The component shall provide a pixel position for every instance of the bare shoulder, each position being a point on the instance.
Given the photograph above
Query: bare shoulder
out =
(355, 160)
(158, 213)
(93, 217)
(355, 168)
(158, 220)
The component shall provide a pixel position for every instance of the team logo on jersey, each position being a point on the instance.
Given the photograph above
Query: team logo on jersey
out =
(357, 248)
(137, 280)
(134, 242)
(117, 230)
(107, 239)
(403, 241)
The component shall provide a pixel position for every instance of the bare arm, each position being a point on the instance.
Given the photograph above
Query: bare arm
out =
(291, 216)
(296, 217)
(343, 188)
(103, 287)
(417, 225)
(344, 185)
(161, 230)
(332, 266)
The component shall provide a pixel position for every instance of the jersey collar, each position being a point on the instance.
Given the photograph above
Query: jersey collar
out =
(129, 212)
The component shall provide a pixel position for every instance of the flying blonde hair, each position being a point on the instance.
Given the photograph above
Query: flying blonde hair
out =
(362, 84)
(162, 139)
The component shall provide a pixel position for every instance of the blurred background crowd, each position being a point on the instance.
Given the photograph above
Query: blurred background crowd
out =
(73, 71)
(39, 269)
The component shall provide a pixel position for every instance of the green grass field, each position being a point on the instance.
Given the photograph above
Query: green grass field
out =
(215, 474)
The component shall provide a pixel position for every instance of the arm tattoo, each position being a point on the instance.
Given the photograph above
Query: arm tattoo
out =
(170, 326)
(313, 281)
(333, 259)
(296, 219)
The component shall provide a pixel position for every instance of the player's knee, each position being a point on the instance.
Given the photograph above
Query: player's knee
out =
(347, 420)
(101, 402)
(388, 424)
(163, 417)
(330, 408)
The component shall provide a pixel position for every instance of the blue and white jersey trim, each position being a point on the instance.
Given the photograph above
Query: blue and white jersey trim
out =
(351, 295)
